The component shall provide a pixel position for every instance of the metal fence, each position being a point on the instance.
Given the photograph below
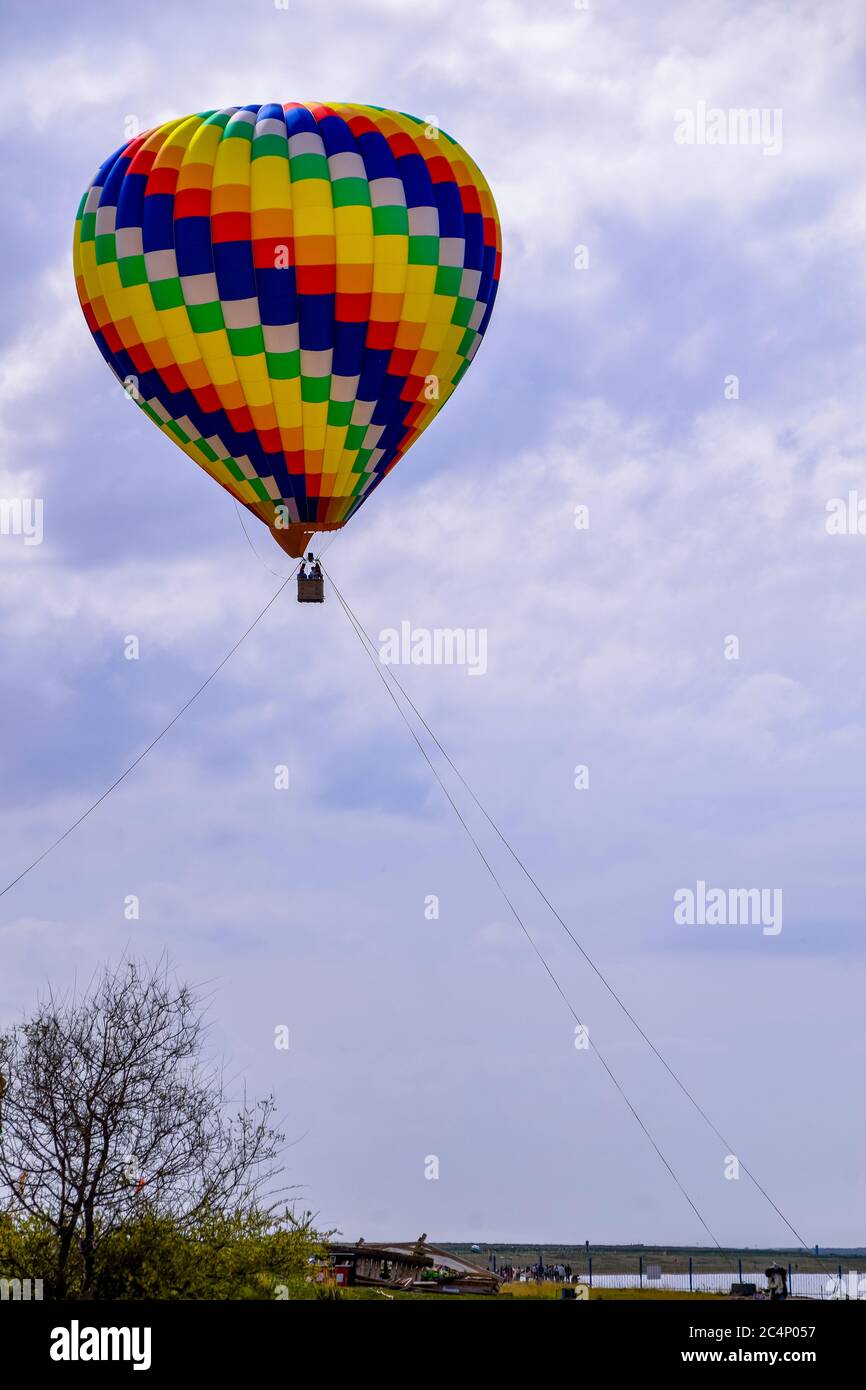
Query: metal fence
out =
(838, 1285)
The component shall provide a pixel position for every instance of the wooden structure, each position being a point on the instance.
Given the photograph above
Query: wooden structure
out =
(385, 1266)
(414, 1266)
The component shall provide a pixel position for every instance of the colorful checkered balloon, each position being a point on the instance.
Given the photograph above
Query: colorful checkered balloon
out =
(291, 293)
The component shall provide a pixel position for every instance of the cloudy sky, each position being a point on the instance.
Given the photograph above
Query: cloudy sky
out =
(698, 387)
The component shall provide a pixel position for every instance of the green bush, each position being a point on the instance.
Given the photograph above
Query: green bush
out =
(240, 1255)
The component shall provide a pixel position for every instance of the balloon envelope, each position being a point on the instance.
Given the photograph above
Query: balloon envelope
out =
(291, 292)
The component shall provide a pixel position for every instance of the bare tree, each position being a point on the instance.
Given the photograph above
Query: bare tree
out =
(110, 1102)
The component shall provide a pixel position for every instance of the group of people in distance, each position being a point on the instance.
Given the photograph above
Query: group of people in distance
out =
(558, 1273)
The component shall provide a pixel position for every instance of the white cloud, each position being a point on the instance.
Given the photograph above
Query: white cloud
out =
(39, 363)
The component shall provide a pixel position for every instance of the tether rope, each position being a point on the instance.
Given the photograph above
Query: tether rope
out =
(159, 737)
(371, 651)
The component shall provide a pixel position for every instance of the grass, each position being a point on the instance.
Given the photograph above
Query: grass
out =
(552, 1291)
(524, 1293)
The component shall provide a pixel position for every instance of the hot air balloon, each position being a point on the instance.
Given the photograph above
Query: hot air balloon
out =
(291, 293)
